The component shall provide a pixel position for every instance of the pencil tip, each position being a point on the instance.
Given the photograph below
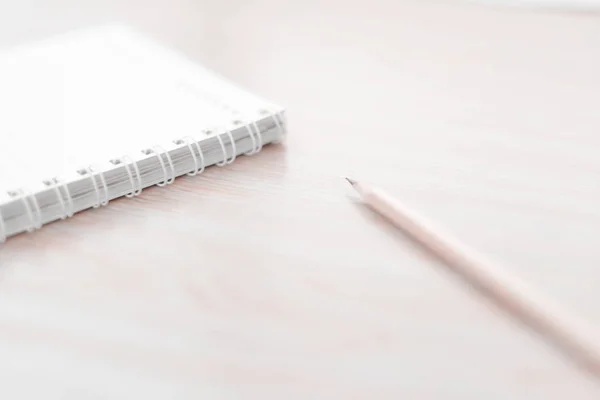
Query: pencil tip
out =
(351, 181)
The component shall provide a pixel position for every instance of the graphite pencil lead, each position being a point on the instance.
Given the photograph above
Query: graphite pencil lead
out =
(351, 181)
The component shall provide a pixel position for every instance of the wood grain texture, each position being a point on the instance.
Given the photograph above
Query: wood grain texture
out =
(266, 279)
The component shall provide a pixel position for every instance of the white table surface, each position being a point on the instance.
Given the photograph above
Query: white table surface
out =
(266, 279)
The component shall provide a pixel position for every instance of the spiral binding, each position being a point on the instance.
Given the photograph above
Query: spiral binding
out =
(277, 119)
(68, 207)
(189, 141)
(93, 174)
(127, 161)
(277, 123)
(226, 159)
(35, 218)
(256, 144)
(100, 174)
(159, 151)
(64, 197)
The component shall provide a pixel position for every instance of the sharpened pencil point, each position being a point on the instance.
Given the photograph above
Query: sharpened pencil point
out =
(351, 181)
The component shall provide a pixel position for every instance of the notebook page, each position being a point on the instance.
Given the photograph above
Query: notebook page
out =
(91, 96)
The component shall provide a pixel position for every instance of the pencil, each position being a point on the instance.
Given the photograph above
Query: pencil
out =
(510, 294)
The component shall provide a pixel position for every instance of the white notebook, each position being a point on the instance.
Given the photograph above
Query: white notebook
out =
(93, 115)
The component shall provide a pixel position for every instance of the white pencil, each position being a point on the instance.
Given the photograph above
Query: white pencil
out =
(507, 291)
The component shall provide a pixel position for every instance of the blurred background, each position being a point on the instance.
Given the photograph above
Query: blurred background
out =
(270, 37)
(481, 113)
(303, 54)
(459, 93)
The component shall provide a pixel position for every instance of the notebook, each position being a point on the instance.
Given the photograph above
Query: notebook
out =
(90, 116)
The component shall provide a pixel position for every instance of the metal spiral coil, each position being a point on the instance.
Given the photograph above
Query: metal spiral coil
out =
(35, 215)
(68, 207)
(127, 161)
(189, 141)
(159, 151)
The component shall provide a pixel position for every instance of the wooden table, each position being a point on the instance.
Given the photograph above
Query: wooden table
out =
(267, 279)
